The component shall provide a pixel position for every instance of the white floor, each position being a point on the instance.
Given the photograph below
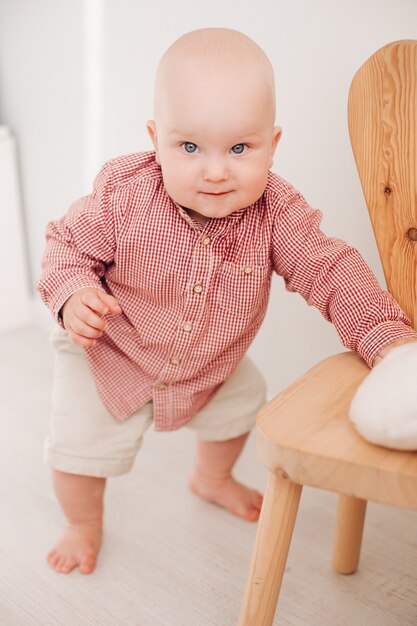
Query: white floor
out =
(168, 558)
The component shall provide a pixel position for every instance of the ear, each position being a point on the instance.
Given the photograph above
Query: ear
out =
(151, 128)
(276, 136)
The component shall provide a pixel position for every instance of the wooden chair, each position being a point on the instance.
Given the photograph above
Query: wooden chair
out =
(304, 434)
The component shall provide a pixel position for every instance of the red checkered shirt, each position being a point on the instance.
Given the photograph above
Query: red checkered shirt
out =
(193, 297)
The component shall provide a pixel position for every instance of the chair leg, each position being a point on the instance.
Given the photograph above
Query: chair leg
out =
(349, 529)
(276, 525)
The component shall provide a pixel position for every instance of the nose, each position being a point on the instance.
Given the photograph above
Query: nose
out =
(215, 170)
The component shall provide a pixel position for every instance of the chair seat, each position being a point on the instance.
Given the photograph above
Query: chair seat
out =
(305, 434)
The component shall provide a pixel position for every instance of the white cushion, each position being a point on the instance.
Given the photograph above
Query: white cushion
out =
(384, 408)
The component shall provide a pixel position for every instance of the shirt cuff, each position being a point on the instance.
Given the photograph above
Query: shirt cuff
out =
(380, 336)
(67, 290)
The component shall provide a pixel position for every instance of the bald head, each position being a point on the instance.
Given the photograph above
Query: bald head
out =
(213, 132)
(219, 60)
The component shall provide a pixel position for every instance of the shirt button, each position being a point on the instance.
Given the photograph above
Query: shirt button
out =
(247, 269)
(198, 288)
(161, 385)
(187, 327)
(205, 241)
(175, 360)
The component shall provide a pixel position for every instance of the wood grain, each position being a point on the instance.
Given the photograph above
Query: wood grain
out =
(349, 530)
(276, 526)
(304, 433)
(382, 112)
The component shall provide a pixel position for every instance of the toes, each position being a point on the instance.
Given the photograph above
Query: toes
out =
(258, 501)
(61, 563)
(53, 558)
(65, 564)
(233, 496)
(252, 515)
(68, 564)
(51, 555)
(252, 509)
(88, 564)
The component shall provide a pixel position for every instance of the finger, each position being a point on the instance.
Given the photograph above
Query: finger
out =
(79, 327)
(110, 301)
(91, 299)
(86, 315)
(79, 340)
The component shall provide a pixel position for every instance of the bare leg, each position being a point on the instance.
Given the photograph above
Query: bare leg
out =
(212, 478)
(81, 499)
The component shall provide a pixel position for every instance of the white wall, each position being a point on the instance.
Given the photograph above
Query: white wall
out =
(16, 309)
(42, 100)
(315, 46)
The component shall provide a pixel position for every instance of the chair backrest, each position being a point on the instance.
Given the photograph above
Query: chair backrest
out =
(382, 112)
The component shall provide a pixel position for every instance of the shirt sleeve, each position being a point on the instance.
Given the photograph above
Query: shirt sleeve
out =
(333, 277)
(79, 246)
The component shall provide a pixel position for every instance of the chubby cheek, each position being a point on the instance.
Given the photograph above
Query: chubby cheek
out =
(178, 182)
(254, 183)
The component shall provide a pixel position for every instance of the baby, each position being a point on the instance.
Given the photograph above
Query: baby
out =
(159, 281)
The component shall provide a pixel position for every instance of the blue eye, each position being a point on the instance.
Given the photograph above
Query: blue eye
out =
(238, 148)
(189, 147)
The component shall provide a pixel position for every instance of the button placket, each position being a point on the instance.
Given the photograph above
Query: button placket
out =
(200, 273)
(199, 278)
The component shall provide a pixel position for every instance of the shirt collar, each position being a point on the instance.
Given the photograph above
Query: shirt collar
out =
(233, 217)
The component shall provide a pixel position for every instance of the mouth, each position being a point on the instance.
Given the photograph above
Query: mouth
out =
(222, 193)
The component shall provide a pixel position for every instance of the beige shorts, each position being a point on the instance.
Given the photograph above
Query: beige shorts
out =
(85, 439)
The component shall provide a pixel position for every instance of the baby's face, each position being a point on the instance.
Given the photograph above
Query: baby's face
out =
(215, 140)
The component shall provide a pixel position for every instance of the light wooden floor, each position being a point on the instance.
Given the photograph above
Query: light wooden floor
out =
(168, 558)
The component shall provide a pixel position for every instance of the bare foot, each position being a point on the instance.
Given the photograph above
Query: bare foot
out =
(79, 545)
(230, 494)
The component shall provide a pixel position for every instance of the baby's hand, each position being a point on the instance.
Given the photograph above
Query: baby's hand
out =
(82, 315)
